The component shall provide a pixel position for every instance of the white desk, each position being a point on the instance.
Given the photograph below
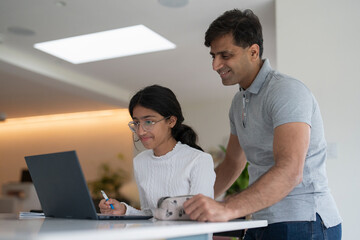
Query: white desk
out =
(12, 228)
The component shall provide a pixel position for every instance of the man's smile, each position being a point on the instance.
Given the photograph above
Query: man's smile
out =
(224, 73)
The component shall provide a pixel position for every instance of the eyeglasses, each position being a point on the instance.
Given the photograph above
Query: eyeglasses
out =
(146, 125)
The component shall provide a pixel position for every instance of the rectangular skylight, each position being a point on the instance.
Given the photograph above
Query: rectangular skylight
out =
(106, 45)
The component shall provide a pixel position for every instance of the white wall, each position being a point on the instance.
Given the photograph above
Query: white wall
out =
(318, 43)
(210, 121)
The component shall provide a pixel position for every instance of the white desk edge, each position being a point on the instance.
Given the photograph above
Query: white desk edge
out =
(161, 230)
(54, 228)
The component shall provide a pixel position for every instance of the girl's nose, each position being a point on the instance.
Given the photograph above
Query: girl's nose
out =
(141, 131)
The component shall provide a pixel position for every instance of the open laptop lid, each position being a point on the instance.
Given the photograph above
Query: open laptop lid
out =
(61, 187)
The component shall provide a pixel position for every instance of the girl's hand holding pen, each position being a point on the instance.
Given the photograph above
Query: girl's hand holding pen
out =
(119, 208)
(111, 206)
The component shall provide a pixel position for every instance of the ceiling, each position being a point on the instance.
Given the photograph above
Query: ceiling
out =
(35, 83)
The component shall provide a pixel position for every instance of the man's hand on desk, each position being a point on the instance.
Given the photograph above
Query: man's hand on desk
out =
(205, 209)
(119, 208)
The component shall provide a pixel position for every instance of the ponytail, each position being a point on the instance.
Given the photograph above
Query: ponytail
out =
(185, 135)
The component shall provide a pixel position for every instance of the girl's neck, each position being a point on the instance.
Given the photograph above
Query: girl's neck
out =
(165, 148)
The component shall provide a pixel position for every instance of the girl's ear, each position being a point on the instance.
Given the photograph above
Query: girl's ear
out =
(172, 121)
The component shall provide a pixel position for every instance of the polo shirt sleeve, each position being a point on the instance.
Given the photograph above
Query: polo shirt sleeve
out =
(289, 100)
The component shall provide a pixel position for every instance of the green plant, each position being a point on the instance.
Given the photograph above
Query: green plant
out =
(110, 181)
(241, 182)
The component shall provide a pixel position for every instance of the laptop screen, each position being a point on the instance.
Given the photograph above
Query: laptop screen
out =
(61, 186)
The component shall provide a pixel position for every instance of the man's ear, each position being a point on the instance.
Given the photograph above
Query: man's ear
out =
(254, 51)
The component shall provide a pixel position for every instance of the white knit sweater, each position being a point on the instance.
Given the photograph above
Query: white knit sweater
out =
(182, 171)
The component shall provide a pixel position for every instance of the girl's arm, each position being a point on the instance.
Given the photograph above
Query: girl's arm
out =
(203, 176)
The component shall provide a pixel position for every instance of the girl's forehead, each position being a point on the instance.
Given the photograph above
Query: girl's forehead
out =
(140, 112)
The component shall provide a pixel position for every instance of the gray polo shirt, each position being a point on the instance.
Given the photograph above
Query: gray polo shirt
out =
(274, 99)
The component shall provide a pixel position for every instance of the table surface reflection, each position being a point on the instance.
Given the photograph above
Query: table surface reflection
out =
(11, 227)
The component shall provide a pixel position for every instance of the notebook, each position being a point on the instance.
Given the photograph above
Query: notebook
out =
(62, 190)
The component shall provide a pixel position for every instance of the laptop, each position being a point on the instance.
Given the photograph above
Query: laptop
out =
(62, 190)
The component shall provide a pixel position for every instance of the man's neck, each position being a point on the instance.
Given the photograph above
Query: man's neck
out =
(255, 71)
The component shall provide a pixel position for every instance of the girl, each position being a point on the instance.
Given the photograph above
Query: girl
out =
(174, 164)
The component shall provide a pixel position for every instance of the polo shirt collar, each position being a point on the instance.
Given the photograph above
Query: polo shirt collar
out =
(260, 78)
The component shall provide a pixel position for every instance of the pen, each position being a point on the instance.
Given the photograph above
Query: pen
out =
(106, 198)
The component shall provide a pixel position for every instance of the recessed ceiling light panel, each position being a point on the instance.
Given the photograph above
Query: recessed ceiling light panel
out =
(106, 45)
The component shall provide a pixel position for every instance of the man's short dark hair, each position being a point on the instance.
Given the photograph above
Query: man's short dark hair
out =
(243, 25)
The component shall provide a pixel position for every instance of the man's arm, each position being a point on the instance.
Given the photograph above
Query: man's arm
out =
(232, 166)
(291, 142)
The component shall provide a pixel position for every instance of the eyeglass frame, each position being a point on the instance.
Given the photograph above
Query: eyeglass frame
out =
(137, 124)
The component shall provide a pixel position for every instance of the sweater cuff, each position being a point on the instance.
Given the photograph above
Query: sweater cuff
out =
(127, 208)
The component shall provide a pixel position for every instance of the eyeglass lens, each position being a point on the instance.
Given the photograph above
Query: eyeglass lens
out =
(146, 125)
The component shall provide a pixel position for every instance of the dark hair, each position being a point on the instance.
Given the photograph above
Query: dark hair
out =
(163, 101)
(243, 25)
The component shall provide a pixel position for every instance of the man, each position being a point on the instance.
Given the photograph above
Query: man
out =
(277, 127)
